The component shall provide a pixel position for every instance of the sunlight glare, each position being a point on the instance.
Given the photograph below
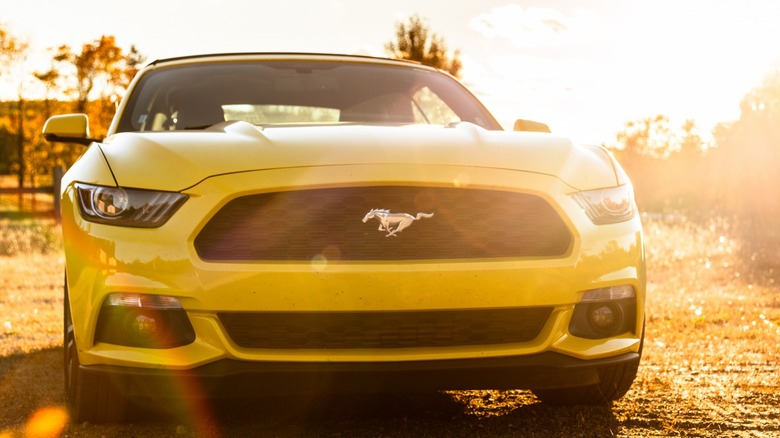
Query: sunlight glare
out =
(47, 422)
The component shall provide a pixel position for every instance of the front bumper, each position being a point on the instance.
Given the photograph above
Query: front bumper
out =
(232, 378)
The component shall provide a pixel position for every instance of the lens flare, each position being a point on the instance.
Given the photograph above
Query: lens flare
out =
(47, 422)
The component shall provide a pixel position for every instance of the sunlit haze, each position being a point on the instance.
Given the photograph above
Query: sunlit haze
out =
(583, 67)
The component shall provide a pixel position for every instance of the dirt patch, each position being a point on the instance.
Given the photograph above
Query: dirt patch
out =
(709, 367)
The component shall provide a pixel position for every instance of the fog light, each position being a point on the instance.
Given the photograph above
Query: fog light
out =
(604, 318)
(147, 321)
(145, 328)
(605, 312)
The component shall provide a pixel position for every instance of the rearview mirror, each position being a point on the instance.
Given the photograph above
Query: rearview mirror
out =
(531, 126)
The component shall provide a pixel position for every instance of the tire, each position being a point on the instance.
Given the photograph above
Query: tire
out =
(614, 382)
(91, 397)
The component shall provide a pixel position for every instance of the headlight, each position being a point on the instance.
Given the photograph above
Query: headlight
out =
(127, 207)
(607, 206)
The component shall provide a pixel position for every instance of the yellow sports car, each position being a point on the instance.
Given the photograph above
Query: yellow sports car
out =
(264, 223)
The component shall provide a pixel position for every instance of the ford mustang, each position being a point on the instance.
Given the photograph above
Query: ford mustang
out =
(265, 223)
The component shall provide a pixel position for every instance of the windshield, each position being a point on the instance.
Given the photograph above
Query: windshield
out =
(263, 93)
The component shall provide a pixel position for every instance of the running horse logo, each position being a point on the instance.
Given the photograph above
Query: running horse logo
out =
(393, 223)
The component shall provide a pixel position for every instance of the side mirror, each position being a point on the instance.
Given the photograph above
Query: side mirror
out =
(531, 126)
(68, 128)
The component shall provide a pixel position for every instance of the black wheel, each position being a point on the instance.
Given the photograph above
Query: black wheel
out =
(614, 382)
(90, 397)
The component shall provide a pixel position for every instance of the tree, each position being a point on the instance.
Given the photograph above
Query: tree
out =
(415, 42)
(97, 62)
(746, 180)
(12, 50)
(651, 136)
(133, 62)
(99, 74)
(12, 53)
(666, 164)
(690, 144)
(95, 79)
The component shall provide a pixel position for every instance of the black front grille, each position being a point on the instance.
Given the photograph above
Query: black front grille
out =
(341, 330)
(310, 224)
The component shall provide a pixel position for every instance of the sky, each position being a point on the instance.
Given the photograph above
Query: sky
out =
(585, 67)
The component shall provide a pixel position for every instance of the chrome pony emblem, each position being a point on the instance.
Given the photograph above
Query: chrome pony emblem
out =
(393, 222)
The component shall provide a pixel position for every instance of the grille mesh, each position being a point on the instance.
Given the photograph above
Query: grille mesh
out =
(306, 224)
(341, 330)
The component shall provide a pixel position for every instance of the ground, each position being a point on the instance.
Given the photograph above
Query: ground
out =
(709, 367)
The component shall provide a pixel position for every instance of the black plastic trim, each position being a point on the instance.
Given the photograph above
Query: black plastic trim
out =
(241, 378)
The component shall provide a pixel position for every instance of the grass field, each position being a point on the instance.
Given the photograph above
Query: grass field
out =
(710, 365)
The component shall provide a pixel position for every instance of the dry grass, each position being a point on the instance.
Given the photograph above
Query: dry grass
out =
(26, 238)
(713, 337)
(31, 274)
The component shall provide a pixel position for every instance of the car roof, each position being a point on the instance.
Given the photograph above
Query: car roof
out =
(285, 56)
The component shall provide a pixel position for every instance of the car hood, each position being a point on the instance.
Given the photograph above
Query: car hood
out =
(178, 160)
